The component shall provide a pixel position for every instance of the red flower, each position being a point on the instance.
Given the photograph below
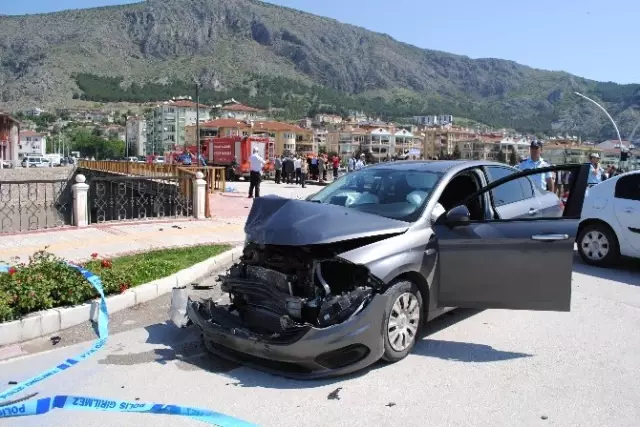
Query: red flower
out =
(12, 270)
(123, 287)
(94, 255)
(106, 263)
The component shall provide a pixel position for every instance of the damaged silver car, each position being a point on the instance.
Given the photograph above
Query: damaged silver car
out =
(332, 284)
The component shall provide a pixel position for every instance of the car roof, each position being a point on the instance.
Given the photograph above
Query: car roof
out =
(440, 166)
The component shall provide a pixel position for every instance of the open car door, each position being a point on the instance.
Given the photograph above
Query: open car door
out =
(521, 263)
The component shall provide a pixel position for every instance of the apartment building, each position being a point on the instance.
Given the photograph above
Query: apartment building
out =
(286, 137)
(443, 119)
(439, 141)
(239, 111)
(319, 139)
(136, 136)
(166, 129)
(405, 143)
(327, 118)
(32, 144)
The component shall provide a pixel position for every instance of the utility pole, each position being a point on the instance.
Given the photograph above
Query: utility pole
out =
(126, 136)
(198, 119)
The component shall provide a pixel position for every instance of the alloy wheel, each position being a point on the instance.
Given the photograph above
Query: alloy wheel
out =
(404, 319)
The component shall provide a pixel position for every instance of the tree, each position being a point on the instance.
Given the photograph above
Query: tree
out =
(502, 156)
(456, 153)
(513, 158)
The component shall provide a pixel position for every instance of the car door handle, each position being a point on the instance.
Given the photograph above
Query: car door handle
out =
(533, 211)
(549, 237)
(628, 210)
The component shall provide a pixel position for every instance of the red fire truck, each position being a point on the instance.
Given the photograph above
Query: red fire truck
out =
(221, 151)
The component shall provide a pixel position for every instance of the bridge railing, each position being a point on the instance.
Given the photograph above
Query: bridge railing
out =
(215, 176)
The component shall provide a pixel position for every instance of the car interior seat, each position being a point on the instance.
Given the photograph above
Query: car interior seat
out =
(457, 190)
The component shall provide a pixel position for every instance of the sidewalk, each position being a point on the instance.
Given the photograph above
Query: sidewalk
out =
(111, 240)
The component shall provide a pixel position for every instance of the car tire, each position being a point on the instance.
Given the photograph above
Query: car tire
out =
(404, 312)
(605, 241)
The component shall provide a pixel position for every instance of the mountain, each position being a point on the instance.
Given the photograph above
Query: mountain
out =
(274, 56)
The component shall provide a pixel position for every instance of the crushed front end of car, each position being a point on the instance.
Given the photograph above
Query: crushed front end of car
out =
(296, 310)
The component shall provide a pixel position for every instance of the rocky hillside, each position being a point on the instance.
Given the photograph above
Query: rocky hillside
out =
(235, 46)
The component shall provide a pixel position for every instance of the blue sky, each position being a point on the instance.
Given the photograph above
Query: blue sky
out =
(597, 39)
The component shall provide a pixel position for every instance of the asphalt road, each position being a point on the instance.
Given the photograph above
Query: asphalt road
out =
(491, 368)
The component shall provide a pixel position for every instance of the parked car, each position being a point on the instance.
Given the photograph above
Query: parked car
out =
(35, 162)
(610, 223)
(329, 285)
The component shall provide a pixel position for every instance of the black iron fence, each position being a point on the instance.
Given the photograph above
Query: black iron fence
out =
(35, 205)
(125, 198)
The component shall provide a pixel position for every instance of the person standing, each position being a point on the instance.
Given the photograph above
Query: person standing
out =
(288, 168)
(336, 165)
(256, 163)
(297, 164)
(320, 168)
(535, 161)
(327, 165)
(360, 163)
(596, 173)
(304, 170)
(351, 164)
(277, 165)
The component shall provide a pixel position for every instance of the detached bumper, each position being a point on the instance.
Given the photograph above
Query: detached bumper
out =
(311, 353)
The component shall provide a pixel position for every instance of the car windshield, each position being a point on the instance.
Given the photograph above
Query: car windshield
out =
(390, 192)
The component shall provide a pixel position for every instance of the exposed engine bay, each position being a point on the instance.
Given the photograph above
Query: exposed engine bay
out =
(279, 289)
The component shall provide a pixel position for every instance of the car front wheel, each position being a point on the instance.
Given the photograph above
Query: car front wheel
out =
(402, 324)
(598, 245)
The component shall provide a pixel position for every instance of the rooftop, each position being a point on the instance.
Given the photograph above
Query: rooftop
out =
(239, 107)
(31, 133)
(257, 125)
(186, 104)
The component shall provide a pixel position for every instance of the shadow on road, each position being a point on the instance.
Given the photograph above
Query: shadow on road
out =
(247, 377)
(627, 271)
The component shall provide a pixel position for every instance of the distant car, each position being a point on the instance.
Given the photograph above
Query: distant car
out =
(35, 162)
(329, 285)
(610, 222)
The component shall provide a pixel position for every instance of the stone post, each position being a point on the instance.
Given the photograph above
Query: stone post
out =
(199, 196)
(80, 201)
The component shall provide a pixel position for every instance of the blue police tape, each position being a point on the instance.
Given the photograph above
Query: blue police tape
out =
(44, 405)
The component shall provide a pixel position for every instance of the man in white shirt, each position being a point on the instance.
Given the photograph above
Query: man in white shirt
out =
(297, 166)
(360, 163)
(256, 163)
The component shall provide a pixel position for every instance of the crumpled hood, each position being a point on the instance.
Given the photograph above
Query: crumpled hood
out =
(276, 220)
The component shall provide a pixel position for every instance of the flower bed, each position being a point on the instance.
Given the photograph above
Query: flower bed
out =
(46, 281)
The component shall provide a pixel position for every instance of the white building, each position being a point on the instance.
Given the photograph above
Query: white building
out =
(406, 143)
(136, 136)
(238, 111)
(327, 118)
(378, 143)
(34, 112)
(443, 119)
(32, 144)
(169, 120)
(319, 139)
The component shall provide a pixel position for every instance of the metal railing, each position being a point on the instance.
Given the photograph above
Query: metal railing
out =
(122, 198)
(35, 205)
(215, 176)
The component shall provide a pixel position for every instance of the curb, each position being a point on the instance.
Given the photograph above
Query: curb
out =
(47, 322)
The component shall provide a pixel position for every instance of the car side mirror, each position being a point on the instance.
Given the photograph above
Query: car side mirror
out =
(457, 216)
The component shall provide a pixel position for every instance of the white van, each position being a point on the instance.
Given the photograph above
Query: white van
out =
(35, 162)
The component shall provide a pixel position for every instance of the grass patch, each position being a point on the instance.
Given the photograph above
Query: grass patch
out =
(47, 281)
(149, 266)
